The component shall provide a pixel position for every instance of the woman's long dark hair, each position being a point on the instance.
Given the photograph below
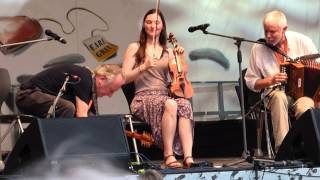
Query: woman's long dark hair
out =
(140, 54)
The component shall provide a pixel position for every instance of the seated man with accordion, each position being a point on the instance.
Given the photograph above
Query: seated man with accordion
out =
(268, 68)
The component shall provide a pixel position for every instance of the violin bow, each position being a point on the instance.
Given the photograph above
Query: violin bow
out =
(155, 30)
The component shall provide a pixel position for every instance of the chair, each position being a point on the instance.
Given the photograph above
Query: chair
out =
(254, 109)
(129, 91)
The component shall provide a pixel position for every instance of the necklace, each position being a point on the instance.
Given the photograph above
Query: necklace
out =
(154, 53)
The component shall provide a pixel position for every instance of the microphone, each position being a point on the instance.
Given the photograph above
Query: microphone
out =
(274, 48)
(269, 45)
(55, 36)
(75, 77)
(201, 27)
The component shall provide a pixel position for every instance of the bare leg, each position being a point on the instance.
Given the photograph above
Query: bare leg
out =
(169, 125)
(185, 133)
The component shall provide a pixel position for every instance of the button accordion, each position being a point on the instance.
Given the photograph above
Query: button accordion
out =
(303, 79)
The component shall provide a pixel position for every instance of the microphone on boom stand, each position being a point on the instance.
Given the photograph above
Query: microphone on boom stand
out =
(201, 27)
(274, 48)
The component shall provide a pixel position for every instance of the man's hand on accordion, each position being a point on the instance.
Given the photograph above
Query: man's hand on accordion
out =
(279, 78)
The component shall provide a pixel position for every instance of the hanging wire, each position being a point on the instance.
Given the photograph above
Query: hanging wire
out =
(73, 26)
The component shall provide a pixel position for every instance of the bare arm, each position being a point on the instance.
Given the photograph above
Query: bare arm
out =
(82, 108)
(272, 80)
(130, 60)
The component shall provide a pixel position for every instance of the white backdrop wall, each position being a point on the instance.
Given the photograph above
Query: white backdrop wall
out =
(235, 18)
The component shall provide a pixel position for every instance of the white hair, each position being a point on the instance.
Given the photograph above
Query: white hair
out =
(276, 16)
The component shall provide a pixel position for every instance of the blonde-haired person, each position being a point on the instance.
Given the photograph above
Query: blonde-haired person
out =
(264, 71)
(36, 96)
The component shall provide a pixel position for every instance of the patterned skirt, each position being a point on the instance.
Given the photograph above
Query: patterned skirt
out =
(149, 106)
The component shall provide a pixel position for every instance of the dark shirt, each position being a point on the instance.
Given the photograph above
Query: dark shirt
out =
(51, 80)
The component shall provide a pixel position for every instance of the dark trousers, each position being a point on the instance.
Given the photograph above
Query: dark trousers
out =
(36, 103)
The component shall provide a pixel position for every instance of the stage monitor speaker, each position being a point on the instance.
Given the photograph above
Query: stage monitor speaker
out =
(303, 140)
(54, 141)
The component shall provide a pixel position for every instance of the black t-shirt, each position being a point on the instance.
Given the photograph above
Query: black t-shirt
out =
(51, 80)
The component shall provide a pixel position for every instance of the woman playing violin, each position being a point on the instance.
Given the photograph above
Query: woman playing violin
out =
(171, 119)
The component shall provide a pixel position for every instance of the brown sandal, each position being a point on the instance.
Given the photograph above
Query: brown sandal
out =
(185, 164)
(173, 164)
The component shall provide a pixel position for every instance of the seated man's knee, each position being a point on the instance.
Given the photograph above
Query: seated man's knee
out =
(307, 102)
(302, 105)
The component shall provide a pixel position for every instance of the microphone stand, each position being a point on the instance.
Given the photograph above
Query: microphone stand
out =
(26, 42)
(52, 110)
(239, 40)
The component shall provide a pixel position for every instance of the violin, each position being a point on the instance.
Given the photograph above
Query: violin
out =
(180, 86)
(146, 139)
